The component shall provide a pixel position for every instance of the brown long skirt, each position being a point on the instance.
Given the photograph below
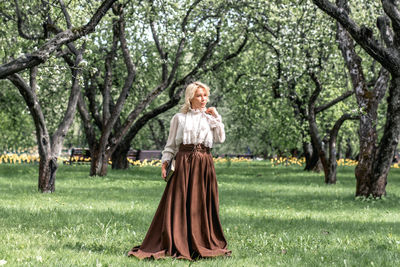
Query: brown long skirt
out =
(186, 224)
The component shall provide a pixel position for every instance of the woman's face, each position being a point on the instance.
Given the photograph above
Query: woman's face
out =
(199, 99)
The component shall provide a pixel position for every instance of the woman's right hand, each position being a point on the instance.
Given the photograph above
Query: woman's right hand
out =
(164, 167)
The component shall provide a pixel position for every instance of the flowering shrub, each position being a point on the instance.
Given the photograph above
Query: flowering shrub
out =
(287, 161)
(347, 162)
(224, 160)
(295, 161)
(26, 158)
(18, 158)
(138, 163)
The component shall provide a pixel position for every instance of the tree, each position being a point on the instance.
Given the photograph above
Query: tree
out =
(165, 65)
(328, 158)
(193, 28)
(42, 54)
(269, 87)
(388, 55)
(368, 101)
(99, 148)
(49, 145)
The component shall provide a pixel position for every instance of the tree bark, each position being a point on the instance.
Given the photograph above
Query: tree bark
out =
(311, 157)
(368, 101)
(349, 150)
(320, 151)
(99, 161)
(47, 174)
(119, 157)
(389, 141)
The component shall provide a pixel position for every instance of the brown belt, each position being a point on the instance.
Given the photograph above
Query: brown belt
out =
(194, 148)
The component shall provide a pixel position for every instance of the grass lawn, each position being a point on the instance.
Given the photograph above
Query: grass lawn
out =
(271, 216)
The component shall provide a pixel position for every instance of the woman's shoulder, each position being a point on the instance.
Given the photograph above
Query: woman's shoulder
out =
(178, 117)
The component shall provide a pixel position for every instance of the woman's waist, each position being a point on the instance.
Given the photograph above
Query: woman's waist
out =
(194, 148)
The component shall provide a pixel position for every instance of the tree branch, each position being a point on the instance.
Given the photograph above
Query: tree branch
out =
(207, 53)
(335, 129)
(32, 78)
(66, 14)
(33, 104)
(90, 93)
(362, 35)
(316, 92)
(333, 102)
(390, 8)
(381, 84)
(386, 32)
(87, 125)
(352, 60)
(43, 53)
(62, 129)
(20, 25)
(163, 55)
(109, 72)
(140, 122)
(181, 44)
(231, 55)
(131, 69)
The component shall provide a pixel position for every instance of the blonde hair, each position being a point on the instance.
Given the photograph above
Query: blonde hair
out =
(189, 94)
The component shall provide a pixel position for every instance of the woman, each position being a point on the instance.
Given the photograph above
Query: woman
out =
(186, 224)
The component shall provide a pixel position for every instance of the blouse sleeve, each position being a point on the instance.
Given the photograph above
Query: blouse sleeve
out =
(171, 148)
(217, 128)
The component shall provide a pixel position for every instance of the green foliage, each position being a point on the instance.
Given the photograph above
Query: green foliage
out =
(54, 77)
(271, 216)
(255, 117)
(16, 125)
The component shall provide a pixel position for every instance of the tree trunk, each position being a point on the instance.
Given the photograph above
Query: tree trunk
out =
(389, 141)
(47, 174)
(312, 124)
(349, 150)
(320, 147)
(368, 139)
(368, 158)
(49, 148)
(368, 102)
(119, 157)
(312, 157)
(330, 178)
(99, 162)
(339, 153)
(320, 151)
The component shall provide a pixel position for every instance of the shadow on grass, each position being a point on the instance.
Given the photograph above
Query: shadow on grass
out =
(56, 218)
(311, 226)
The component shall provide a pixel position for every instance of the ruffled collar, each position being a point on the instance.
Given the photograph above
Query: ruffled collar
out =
(197, 110)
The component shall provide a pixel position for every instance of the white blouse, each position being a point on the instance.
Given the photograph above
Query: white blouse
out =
(194, 127)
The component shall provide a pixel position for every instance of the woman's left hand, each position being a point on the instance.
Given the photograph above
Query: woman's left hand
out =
(212, 111)
(164, 167)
